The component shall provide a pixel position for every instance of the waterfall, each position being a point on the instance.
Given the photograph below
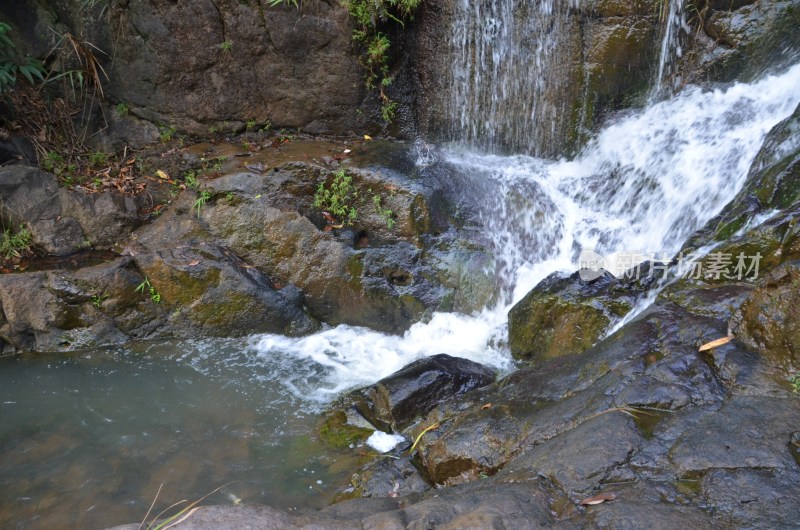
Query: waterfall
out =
(644, 184)
(670, 46)
(504, 77)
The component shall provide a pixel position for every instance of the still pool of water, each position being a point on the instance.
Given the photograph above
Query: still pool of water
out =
(86, 439)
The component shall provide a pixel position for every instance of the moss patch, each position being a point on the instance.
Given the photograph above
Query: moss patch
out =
(335, 432)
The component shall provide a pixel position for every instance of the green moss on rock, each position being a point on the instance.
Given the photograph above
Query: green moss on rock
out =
(336, 432)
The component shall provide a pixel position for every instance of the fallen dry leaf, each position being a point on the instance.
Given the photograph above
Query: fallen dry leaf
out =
(715, 343)
(162, 174)
(367, 137)
(194, 262)
(487, 406)
(598, 499)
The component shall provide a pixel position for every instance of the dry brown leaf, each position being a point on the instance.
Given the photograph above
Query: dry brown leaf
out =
(487, 406)
(715, 343)
(598, 499)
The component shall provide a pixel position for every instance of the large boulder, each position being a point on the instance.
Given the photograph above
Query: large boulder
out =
(365, 274)
(566, 314)
(63, 310)
(206, 287)
(61, 220)
(396, 401)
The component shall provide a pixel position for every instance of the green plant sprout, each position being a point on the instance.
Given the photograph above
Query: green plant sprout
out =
(386, 213)
(201, 201)
(146, 285)
(13, 244)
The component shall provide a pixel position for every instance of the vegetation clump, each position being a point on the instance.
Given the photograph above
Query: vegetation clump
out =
(339, 197)
(15, 244)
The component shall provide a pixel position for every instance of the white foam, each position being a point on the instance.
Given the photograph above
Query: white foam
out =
(384, 442)
(643, 185)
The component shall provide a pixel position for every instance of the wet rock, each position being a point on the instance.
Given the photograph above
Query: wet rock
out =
(740, 40)
(580, 460)
(396, 401)
(743, 498)
(61, 220)
(602, 53)
(652, 363)
(565, 314)
(207, 288)
(67, 310)
(769, 319)
(389, 477)
(747, 432)
(368, 274)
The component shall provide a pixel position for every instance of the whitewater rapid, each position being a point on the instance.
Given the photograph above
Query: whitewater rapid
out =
(645, 183)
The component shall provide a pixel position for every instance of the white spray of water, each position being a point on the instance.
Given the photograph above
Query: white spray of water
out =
(643, 185)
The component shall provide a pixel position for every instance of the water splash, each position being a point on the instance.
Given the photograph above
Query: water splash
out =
(644, 184)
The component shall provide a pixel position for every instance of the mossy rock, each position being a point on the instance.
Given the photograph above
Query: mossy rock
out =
(335, 431)
(769, 319)
(566, 315)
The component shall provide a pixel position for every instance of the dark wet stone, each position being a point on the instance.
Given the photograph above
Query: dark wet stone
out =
(62, 221)
(390, 477)
(754, 498)
(580, 460)
(747, 432)
(396, 401)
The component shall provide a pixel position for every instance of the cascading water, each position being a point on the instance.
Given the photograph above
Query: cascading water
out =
(671, 50)
(505, 75)
(643, 185)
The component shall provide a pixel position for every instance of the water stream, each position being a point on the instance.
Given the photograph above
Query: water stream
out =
(86, 439)
(642, 186)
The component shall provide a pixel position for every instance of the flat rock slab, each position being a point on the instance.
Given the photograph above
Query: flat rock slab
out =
(747, 432)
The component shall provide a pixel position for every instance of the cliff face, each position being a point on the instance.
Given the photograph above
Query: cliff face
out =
(510, 79)
(215, 63)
